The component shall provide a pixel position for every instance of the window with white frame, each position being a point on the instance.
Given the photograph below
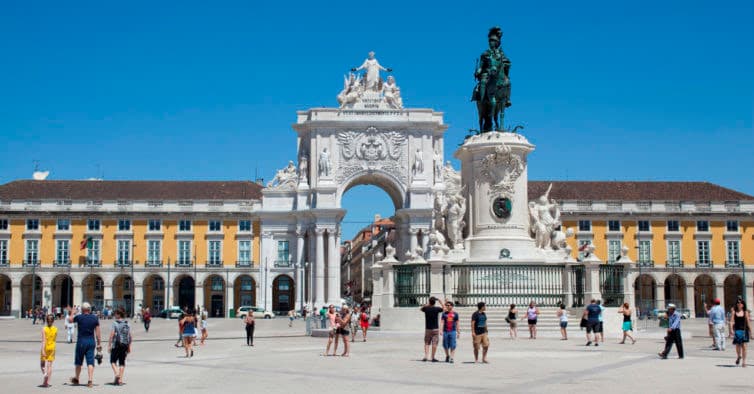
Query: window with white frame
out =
(124, 225)
(283, 252)
(733, 249)
(585, 225)
(673, 225)
(93, 225)
(154, 251)
(643, 225)
(613, 250)
(64, 224)
(184, 252)
(645, 251)
(3, 224)
(93, 254)
(154, 225)
(32, 251)
(244, 225)
(32, 224)
(63, 251)
(215, 226)
(215, 252)
(702, 252)
(124, 251)
(731, 226)
(244, 252)
(3, 251)
(158, 284)
(184, 225)
(674, 252)
(702, 225)
(613, 225)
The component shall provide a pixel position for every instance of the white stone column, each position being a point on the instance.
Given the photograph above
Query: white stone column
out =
(319, 266)
(660, 295)
(333, 269)
(230, 299)
(107, 294)
(199, 295)
(690, 304)
(15, 298)
(413, 239)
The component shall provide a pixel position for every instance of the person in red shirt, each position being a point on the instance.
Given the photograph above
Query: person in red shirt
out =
(450, 331)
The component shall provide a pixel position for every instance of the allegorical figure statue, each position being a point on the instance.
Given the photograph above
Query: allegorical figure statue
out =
(392, 93)
(493, 90)
(545, 219)
(455, 222)
(324, 162)
(373, 68)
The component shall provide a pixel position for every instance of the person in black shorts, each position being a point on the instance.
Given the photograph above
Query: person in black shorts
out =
(342, 331)
(592, 315)
(431, 327)
(119, 348)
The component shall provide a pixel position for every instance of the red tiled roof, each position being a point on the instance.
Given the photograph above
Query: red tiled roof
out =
(635, 191)
(130, 190)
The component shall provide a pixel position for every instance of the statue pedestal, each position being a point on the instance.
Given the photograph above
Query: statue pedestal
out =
(494, 174)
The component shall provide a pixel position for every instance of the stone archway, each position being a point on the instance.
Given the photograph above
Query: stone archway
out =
(675, 290)
(645, 289)
(5, 295)
(283, 294)
(93, 291)
(244, 291)
(30, 300)
(154, 293)
(214, 296)
(123, 293)
(62, 291)
(733, 289)
(184, 292)
(704, 294)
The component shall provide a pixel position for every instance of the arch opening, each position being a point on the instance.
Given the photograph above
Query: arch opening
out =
(733, 289)
(123, 293)
(184, 294)
(6, 294)
(675, 291)
(244, 291)
(704, 294)
(154, 293)
(645, 289)
(93, 291)
(62, 291)
(214, 296)
(283, 294)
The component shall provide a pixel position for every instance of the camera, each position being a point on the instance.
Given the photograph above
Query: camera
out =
(98, 357)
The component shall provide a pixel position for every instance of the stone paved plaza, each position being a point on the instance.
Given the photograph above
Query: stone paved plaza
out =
(284, 360)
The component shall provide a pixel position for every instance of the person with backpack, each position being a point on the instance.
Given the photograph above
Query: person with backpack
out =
(119, 345)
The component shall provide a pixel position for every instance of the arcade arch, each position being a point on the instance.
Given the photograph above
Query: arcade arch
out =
(214, 296)
(184, 292)
(704, 294)
(283, 294)
(93, 291)
(244, 291)
(5, 295)
(62, 291)
(733, 289)
(645, 289)
(31, 298)
(123, 293)
(675, 290)
(154, 293)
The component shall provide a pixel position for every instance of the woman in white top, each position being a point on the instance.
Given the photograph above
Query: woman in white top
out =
(203, 323)
(563, 317)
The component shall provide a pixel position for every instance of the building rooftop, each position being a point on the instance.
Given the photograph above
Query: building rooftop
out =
(130, 190)
(635, 191)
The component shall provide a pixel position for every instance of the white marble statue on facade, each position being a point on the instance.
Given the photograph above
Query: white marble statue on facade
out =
(437, 162)
(324, 162)
(418, 167)
(303, 168)
(372, 67)
(284, 178)
(352, 90)
(455, 222)
(544, 214)
(392, 93)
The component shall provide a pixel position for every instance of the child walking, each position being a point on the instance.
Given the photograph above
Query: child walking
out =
(47, 356)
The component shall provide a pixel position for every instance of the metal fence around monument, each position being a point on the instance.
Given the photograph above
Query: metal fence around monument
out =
(611, 284)
(412, 285)
(502, 285)
(578, 285)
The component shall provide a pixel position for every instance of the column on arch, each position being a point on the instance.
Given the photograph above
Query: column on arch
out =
(333, 269)
(299, 282)
(319, 285)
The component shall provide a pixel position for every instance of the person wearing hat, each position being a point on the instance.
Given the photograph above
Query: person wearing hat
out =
(674, 333)
(717, 317)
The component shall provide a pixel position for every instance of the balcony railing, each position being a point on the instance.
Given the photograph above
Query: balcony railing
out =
(61, 263)
(94, 263)
(703, 264)
(649, 263)
(282, 263)
(734, 263)
(30, 263)
(124, 263)
(184, 263)
(213, 264)
(674, 264)
(153, 263)
(243, 264)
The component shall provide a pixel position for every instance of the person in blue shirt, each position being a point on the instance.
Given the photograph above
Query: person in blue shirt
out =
(717, 318)
(674, 333)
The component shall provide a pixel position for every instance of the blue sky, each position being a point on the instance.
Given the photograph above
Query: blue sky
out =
(640, 90)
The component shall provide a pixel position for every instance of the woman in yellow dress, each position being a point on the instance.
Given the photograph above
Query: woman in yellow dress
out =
(47, 356)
